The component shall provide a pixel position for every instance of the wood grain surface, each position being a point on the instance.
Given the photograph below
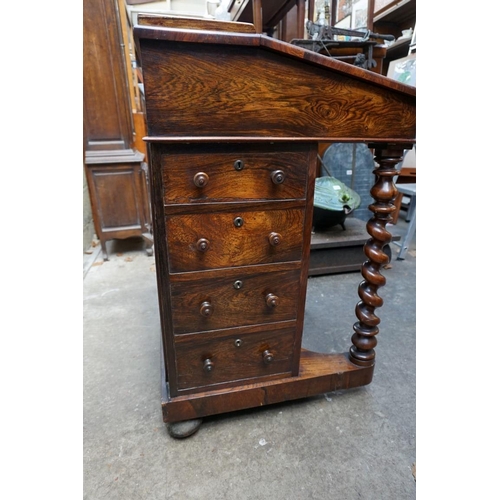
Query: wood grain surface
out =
(234, 306)
(319, 373)
(229, 245)
(231, 362)
(264, 88)
(191, 23)
(226, 182)
(219, 93)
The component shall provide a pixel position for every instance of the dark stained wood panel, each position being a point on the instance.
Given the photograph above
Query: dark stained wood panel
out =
(234, 173)
(117, 196)
(229, 245)
(233, 362)
(319, 374)
(106, 109)
(250, 91)
(201, 24)
(233, 306)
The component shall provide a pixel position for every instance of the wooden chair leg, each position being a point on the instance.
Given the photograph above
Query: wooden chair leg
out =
(397, 204)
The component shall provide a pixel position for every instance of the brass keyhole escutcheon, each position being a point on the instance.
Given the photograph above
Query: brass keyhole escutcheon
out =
(238, 342)
(238, 221)
(239, 165)
(238, 284)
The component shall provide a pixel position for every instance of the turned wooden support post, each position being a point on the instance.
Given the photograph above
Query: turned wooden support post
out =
(257, 15)
(301, 17)
(384, 191)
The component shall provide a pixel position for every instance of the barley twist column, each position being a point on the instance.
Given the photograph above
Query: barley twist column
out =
(384, 192)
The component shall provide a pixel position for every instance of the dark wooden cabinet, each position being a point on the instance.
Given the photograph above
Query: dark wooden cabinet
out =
(267, 15)
(392, 17)
(116, 172)
(233, 148)
(120, 198)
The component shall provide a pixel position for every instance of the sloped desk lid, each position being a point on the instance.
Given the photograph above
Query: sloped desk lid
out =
(208, 84)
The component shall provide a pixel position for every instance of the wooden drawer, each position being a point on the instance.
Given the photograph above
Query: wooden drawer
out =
(234, 297)
(234, 238)
(229, 356)
(234, 173)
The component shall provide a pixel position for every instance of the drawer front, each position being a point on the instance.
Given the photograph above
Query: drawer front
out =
(231, 298)
(223, 358)
(228, 239)
(235, 174)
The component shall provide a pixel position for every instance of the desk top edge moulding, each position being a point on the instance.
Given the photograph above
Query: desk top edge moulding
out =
(233, 125)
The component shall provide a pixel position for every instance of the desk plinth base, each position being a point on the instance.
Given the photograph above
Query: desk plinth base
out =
(318, 374)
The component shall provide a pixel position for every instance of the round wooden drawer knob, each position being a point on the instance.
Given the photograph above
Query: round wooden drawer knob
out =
(200, 179)
(274, 239)
(271, 300)
(267, 356)
(202, 244)
(208, 365)
(206, 309)
(278, 176)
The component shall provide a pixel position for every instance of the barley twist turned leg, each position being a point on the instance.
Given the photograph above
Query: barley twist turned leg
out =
(384, 191)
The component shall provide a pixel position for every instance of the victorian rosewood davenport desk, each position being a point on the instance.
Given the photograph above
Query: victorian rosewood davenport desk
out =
(234, 120)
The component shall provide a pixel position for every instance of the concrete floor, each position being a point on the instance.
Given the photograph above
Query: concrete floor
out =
(356, 444)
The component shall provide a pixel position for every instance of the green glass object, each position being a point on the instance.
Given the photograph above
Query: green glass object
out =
(331, 194)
